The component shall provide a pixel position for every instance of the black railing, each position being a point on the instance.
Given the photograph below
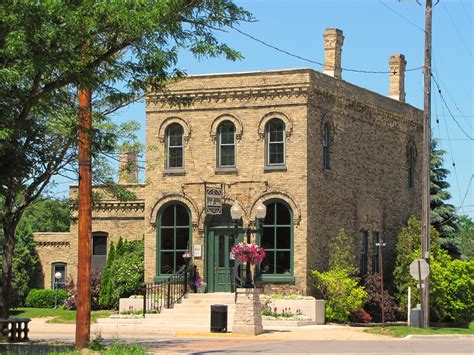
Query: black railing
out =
(164, 294)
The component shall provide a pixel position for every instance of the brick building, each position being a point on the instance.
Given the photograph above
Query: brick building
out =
(320, 153)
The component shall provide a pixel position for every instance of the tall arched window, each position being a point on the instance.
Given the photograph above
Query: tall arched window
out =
(99, 250)
(275, 141)
(326, 139)
(174, 146)
(411, 167)
(277, 239)
(174, 234)
(226, 145)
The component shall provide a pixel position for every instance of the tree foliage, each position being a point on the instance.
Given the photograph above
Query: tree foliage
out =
(118, 49)
(46, 215)
(443, 217)
(451, 281)
(341, 255)
(123, 274)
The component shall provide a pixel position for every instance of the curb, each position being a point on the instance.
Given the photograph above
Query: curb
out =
(449, 336)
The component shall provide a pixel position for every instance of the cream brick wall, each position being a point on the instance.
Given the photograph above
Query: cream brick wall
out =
(366, 187)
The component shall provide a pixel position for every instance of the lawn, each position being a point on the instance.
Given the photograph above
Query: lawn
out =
(402, 331)
(60, 315)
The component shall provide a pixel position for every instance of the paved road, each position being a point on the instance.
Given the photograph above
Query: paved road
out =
(177, 345)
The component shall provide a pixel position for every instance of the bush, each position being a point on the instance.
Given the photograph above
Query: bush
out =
(70, 301)
(360, 316)
(374, 300)
(451, 281)
(341, 292)
(44, 298)
(123, 274)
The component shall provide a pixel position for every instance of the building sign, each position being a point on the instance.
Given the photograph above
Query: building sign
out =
(197, 250)
(213, 200)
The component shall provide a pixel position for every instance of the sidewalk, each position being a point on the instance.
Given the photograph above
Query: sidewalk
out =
(42, 331)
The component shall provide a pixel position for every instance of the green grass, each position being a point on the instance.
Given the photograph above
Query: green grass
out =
(60, 315)
(402, 331)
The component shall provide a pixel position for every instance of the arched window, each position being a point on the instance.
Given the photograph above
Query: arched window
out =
(226, 145)
(411, 167)
(277, 239)
(99, 250)
(275, 142)
(60, 282)
(174, 146)
(326, 139)
(174, 234)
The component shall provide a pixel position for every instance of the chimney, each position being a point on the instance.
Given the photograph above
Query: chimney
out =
(333, 41)
(128, 168)
(397, 77)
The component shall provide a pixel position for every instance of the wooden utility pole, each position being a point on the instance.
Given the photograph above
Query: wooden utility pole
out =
(426, 218)
(83, 299)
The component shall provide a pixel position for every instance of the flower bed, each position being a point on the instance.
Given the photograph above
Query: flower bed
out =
(286, 307)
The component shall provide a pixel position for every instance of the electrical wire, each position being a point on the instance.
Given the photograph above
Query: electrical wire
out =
(314, 61)
(462, 203)
(401, 16)
(457, 30)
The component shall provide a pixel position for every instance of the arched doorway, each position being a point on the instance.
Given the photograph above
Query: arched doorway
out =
(219, 241)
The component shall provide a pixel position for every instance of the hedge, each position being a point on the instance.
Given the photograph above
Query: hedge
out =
(40, 298)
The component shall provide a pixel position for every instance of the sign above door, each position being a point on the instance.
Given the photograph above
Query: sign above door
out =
(213, 200)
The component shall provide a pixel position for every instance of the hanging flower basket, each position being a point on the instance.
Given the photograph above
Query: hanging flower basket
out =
(251, 253)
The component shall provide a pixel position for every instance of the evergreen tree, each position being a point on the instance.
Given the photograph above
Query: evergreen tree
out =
(105, 280)
(443, 217)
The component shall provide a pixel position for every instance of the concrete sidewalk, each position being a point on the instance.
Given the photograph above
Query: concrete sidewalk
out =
(40, 330)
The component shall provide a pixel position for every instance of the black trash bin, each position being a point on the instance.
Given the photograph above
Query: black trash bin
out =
(218, 318)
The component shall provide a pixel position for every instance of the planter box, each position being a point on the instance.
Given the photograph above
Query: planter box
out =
(314, 309)
(130, 305)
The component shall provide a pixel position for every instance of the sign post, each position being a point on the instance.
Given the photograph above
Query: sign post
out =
(419, 270)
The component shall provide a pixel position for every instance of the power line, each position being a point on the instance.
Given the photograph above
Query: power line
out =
(403, 17)
(449, 110)
(465, 11)
(314, 61)
(462, 202)
(457, 30)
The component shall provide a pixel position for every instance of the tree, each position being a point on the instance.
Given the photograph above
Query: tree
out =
(46, 215)
(465, 237)
(443, 217)
(116, 49)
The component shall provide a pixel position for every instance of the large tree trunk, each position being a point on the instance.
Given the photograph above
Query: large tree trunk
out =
(5, 289)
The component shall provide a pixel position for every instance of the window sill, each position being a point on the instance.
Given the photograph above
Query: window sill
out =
(226, 170)
(159, 278)
(179, 171)
(276, 278)
(271, 168)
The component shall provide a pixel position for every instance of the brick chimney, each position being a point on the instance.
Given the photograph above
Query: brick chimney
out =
(397, 77)
(128, 168)
(333, 41)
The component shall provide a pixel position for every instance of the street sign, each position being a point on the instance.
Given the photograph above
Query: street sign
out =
(419, 268)
(213, 200)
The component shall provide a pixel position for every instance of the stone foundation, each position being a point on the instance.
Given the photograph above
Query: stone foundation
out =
(248, 316)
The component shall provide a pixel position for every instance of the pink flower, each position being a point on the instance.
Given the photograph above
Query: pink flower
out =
(251, 253)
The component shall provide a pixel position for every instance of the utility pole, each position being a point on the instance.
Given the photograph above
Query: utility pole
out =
(83, 300)
(426, 182)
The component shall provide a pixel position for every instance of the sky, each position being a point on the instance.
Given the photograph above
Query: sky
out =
(373, 30)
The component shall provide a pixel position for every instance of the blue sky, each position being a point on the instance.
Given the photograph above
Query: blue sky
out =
(373, 30)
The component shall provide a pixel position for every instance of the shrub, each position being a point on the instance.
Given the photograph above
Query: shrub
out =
(341, 292)
(44, 298)
(374, 300)
(451, 281)
(70, 301)
(123, 274)
(341, 255)
(359, 316)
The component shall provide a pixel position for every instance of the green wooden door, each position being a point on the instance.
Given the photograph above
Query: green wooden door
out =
(219, 263)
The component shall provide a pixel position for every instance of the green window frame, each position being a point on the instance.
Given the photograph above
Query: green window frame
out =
(278, 241)
(275, 143)
(62, 268)
(173, 238)
(375, 252)
(174, 147)
(226, 145)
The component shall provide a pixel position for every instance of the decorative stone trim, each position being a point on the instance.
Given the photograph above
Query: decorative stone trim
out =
(239, 130)
(170, 120)
(169, 197)
(273, 194)
(52, 244)
(279, 115)
(411, 145)
(115, 205)
(233, 94)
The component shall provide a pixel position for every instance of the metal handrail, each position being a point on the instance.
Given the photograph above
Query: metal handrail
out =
(164, 294)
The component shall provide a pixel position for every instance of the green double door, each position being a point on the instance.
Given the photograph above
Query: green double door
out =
(219, 262)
